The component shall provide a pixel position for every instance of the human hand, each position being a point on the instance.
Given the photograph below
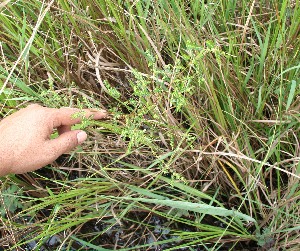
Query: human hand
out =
(25, 143)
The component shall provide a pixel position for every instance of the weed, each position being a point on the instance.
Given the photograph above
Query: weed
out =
(202, 147)
(10, 201)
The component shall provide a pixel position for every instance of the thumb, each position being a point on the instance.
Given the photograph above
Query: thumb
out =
(66, 142)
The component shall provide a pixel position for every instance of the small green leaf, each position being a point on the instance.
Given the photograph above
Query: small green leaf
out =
(291, 94)
(259, 101)
(11, 201)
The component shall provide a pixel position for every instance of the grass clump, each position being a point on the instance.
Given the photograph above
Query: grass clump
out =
(202, 148)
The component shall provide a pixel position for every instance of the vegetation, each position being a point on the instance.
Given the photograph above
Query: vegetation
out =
(202, 148)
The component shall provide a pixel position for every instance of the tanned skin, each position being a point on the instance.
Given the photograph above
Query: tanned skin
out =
(25, 143)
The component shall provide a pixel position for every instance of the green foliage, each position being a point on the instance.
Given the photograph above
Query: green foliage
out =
(265, 239)
(203, 129)
(10, 201)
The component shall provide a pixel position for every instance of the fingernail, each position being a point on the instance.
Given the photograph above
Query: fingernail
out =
(100, 114)
(81, 137)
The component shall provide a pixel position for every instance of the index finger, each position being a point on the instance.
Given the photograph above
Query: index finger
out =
(70, 116)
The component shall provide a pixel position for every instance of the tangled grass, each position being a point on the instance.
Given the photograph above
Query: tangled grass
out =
(202, 148)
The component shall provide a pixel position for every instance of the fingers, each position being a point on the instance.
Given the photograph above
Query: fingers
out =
(70, 116)
(33, 106)
(63, 129)
(65, 143)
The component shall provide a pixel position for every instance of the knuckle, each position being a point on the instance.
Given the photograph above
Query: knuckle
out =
(34, 106)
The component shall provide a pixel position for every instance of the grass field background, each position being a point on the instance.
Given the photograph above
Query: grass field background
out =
(202, 148)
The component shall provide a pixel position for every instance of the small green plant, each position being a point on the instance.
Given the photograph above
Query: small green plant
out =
(265, 239)
(202, 139)
(10, 200)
